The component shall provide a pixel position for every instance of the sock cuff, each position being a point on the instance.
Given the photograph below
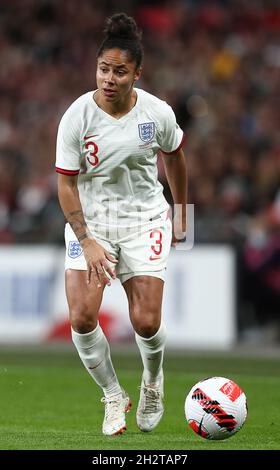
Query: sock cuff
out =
(87, 340)
(155, 342)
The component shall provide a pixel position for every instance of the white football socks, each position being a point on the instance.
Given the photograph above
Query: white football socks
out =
(94, 351)
(152, 351)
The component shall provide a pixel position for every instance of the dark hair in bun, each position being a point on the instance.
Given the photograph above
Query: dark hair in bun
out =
(121, 32)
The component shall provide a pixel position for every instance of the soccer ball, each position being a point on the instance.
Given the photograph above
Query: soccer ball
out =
(216, 408)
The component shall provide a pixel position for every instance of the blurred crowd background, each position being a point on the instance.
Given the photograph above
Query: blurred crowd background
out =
(217, 63)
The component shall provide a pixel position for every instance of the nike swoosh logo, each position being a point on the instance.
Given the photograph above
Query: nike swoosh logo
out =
(200, 426)
(154, 218)
(94, 367)
(152, 258)
(89, 136)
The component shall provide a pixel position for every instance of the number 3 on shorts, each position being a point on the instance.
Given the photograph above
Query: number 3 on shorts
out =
(156, 234)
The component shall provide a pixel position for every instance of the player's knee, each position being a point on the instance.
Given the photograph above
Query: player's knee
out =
(146, 326)
(82, 321)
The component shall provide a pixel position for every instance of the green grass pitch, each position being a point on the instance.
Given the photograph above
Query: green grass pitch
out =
(48, 401)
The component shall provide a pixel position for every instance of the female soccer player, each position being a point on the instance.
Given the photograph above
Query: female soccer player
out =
(118, 220)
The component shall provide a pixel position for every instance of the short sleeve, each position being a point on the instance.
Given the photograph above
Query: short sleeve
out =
(67, 146)
(172, 137)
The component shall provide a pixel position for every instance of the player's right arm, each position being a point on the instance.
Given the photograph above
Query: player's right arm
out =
(96, 256)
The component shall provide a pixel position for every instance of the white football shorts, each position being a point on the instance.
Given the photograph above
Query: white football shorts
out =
(141, 250)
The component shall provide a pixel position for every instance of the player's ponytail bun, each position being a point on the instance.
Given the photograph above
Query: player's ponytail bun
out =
(121, 32)
(122, 26)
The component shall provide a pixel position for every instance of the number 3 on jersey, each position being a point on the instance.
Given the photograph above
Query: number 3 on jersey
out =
(92, 158)
(157, 247)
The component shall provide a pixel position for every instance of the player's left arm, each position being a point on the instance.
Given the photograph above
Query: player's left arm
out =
(177, 176)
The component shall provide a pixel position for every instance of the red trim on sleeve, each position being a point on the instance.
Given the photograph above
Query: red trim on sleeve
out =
(67, 172)
(177, 149)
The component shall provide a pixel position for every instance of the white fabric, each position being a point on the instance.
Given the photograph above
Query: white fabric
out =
(94, 351)
(152, 352)
(139, 250)
(116, 158)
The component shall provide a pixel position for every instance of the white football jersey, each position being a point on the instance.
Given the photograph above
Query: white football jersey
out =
(116, 159)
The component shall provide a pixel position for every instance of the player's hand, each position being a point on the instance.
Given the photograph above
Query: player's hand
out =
(179, 229)
(98, 267)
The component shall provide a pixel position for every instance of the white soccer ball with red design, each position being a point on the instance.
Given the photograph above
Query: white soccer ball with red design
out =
(216, 408)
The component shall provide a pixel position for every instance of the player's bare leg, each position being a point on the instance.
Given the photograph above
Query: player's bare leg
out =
(84, 302)
(144, 295)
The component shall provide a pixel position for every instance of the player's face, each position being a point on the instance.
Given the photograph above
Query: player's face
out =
(115, 75)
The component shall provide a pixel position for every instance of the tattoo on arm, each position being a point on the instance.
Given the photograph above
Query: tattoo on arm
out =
(83, 237)
(78, 224)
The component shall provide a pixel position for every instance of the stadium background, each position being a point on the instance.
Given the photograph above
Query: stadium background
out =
(217, 64)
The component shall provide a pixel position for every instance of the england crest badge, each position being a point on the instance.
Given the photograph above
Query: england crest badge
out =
(146, 131)
(74, 249)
